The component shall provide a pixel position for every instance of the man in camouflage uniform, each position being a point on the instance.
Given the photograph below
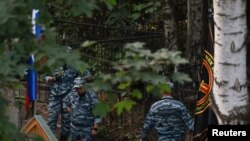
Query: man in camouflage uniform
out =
(61, 83)
(80, 103)
(169, 117)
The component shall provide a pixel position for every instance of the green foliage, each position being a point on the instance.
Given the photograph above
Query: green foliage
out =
(140, 65)
(17, 43)
(165, 88)
(124, 105)
(180, 76)
(123, 86)
(141, 15)
(101, 109)
(110, 3)
(75, 8)
(8, 131)
(144, 8)
(137, 94)
(83, 6)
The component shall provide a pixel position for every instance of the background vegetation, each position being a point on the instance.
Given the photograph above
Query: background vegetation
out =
(139, 63)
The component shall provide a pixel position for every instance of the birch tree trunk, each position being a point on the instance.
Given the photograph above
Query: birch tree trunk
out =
(230, 94)
(195, 30)
(170, 26)
(195, 35)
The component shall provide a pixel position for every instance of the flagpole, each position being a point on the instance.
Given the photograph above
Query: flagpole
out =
(37, 31)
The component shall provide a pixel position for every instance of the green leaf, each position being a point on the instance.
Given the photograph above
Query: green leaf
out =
(101, 109)
(139, 7)
(98, 85)
(150, 10)
(112, 2)
(135, 16)
(156, 92)
(181, 77)
(137, 94)
(123, 86)
(149, 88)
(84, 7)
(20, 69)
(165, 88)
(124, 105)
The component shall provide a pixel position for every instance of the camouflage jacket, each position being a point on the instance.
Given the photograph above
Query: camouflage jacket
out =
(81, 108)
(64, 80)
(170, 118)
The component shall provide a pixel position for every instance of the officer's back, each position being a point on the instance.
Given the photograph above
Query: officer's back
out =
(170, 118)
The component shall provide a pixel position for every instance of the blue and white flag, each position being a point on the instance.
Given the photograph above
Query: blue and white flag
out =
(36, 29)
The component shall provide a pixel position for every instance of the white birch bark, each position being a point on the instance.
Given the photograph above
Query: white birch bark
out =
(230, 94)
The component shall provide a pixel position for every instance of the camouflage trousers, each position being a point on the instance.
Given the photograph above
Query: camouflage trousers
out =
(80, 133)
(166, 138)
(54, 110)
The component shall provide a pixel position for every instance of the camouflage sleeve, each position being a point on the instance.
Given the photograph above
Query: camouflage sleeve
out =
(66, 102)
(55, 73)
(74, 73)
(95, 100)
(148, 124)
(87, 76)
(188, 120)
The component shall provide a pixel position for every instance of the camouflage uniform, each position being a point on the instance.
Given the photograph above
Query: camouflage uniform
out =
(169, 117)
(81, 116)
(87, 76)
(58, 90)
